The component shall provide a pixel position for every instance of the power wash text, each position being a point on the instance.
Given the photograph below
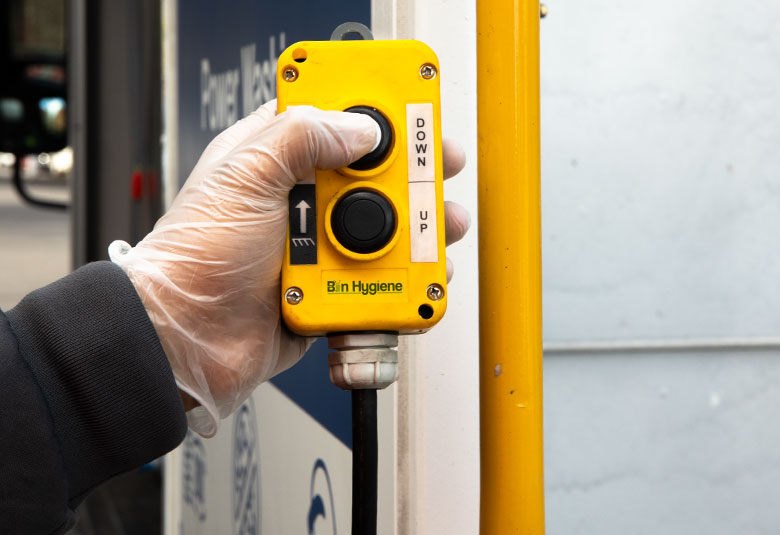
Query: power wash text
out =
(219, 99)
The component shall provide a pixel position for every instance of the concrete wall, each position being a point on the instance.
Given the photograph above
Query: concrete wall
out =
(661, 204)
(661, 169)
(662, 443)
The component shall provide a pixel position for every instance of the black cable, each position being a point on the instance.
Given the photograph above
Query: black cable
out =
(364, 462)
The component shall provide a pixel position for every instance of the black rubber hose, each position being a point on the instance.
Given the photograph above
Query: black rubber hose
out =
(364, 462)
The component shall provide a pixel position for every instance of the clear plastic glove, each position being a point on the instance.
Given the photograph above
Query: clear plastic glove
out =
(209, 272)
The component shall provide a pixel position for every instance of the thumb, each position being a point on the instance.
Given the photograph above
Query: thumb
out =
(301, 139)
(343, 137)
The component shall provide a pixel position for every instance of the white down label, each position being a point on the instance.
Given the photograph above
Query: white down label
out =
(422, 182)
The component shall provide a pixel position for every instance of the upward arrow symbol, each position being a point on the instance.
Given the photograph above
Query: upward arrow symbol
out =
(303, 206)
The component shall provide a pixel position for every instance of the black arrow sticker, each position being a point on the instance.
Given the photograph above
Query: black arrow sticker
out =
(303, 225)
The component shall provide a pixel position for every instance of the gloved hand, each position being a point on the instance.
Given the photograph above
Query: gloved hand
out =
(209, 272)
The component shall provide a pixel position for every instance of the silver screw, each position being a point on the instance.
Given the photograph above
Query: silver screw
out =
(435, 292)
(290, 74)
(293, 295)
(428, 71)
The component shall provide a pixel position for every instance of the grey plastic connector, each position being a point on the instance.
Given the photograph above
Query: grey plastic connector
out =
(363, 360)
(354, 28)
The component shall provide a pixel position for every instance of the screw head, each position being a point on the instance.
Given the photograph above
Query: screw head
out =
(435, 292)
(428, 71)
(542, 10)
(290, 74)
(293, 295)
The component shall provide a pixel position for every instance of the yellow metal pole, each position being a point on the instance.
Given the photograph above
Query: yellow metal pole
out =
(512, 484)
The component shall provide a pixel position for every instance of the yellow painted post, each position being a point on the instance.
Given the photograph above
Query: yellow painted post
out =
(512, 479)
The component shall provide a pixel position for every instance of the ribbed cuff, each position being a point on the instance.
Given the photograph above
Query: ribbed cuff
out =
(105, 377)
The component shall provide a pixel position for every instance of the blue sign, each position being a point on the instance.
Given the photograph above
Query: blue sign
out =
(227, 54)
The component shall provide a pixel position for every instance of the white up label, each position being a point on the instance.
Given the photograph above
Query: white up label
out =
(422, 182)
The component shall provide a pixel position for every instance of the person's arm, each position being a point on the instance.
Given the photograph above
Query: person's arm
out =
(90, 365)
(86, 393)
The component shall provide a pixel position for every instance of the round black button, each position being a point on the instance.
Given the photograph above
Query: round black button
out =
(363, 221)
(378, 155)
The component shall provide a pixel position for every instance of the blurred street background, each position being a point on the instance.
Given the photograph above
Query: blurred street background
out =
(34, 242)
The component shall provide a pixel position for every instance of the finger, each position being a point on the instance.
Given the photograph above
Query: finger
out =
(336, 138)
(450, 270)
(457, 221)
(453, 157)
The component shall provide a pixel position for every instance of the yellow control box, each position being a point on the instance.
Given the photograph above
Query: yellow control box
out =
(365, 247)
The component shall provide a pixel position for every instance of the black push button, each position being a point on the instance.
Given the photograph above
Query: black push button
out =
(378, 155)
(363, 221)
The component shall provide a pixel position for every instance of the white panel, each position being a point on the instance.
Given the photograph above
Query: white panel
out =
(448, 355)
(205, 477)
(287, 444)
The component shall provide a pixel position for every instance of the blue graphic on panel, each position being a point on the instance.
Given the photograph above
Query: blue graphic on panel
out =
(227, 68)
(246, 472)
(322, 510)
(194, 475)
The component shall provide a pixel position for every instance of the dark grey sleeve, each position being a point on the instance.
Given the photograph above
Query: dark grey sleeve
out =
(85, 393)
